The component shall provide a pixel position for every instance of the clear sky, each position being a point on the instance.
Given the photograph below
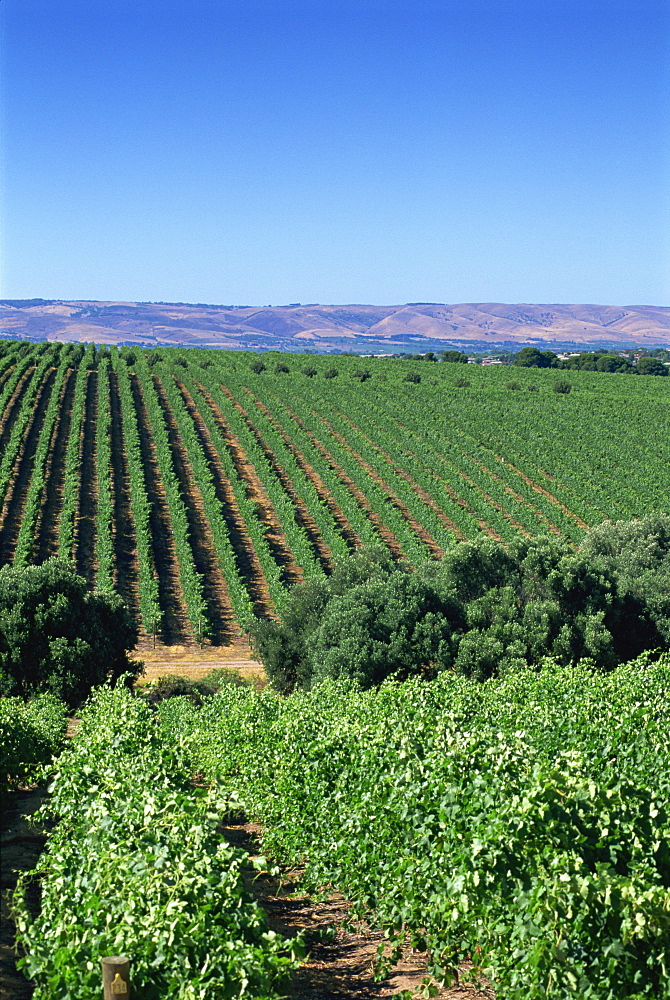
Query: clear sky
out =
(381, 151)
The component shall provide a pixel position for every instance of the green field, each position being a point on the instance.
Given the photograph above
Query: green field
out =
(200, 489)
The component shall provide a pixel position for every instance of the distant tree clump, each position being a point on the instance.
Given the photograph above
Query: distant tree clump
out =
(412, 377)
(281, 368)
(309, 371)
(651, 366)
(362, 374)
(485, 609)
(461, 383)
(562, 386)
(454, 357)
(614, 363)
(58, 637)
(331, 373)
(532, 357)
(257, 367)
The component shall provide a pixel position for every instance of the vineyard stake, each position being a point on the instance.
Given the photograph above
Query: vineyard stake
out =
(116, 977)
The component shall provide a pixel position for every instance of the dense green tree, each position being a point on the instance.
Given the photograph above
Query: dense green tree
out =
(257, 367)
(57, 636)
(613, 363)
(532, 357)
(454, 357)
(585, 362)
(638, 554)
(282, 646)
(483, 609)
(651, 366)
(396, 626)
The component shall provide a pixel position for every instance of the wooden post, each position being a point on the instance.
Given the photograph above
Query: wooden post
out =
(115, 977)
(154, 633)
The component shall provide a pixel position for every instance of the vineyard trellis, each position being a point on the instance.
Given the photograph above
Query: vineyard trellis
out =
(279, 473)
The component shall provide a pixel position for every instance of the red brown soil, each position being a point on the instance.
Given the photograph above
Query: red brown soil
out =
(540, 489)
(46, 536)
(398, 469)
(15, 501)
(5, 376)
(175, 626)
(302, 514)
(342, 952)
(385, 533)
(267, 515)
(418, 529)
(245, 555)
(215, 590)
(518, 499)
(343, 525)
(87, 502)
(459, 500)
(126, 563)
(13, 407)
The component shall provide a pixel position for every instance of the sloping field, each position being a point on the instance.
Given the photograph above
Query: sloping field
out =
(201, 489)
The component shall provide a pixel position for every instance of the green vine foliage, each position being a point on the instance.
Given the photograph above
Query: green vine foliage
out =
(31, 733)
(522, 823)
(136, 865)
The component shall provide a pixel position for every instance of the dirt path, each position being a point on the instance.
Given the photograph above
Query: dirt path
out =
(302, 514)
(13, 408)
(15, 501)
(291, 572)
(325, 496)
(175, 622)
(246, 558)
(46, 536)
(126, 563)
(403, 474)
(194, 662)
(342, 952)
(215, 590)
(20, 847)
(87, 506)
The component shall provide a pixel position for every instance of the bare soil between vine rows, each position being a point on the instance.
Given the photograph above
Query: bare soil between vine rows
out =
(341, 952)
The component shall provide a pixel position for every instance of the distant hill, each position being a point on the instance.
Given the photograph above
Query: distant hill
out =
(361, 328)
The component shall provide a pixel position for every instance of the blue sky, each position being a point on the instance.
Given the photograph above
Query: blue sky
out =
(381, 151)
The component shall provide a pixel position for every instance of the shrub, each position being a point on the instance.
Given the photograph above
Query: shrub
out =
(331, 373)
(461, 383)
(257, 367)
(31, 733)
(58, 637)
(412, 377)
(562, 386)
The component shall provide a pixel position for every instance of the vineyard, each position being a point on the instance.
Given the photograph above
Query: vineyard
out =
(200, 485)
